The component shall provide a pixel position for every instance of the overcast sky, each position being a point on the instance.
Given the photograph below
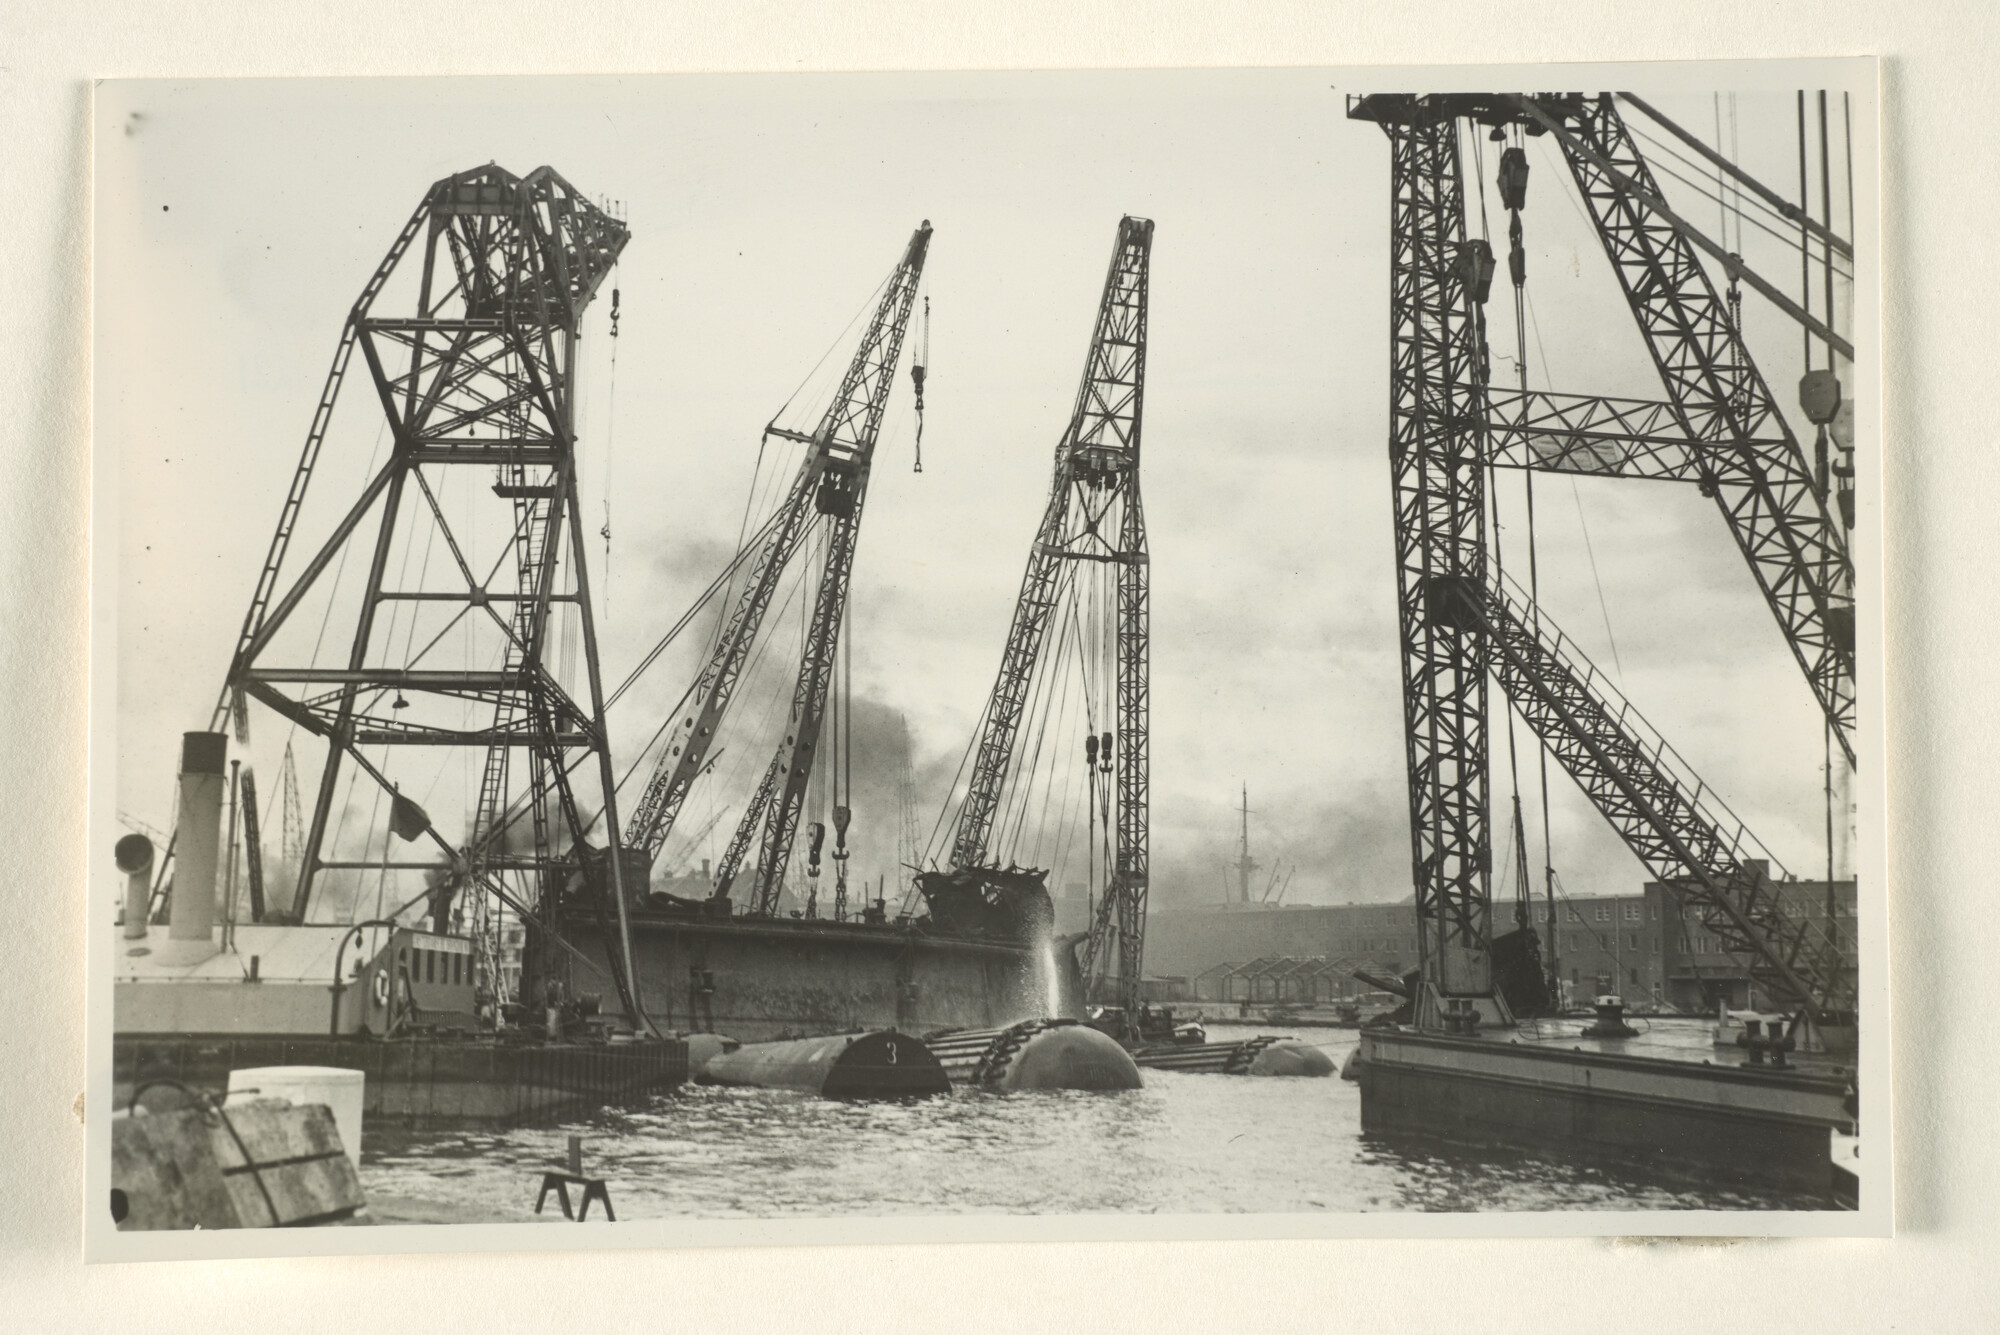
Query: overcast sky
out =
(236, 222)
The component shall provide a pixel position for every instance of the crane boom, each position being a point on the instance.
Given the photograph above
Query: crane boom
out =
(1668, 817)
(1103, 424)
(1094, 514)
(686, 752)
(826, 475)
(847, 436)
(1754, 466)
(1437, 457)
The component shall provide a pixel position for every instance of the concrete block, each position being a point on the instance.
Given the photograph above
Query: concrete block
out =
(257, 1164)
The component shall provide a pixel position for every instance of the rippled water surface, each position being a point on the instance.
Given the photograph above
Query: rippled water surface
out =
(1184, 1143)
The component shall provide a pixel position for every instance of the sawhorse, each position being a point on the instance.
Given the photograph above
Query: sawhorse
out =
(593, 1190)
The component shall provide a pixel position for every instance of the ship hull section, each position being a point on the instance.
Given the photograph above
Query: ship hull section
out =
(759, 980)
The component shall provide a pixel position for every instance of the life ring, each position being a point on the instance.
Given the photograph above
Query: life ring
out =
(381, 987)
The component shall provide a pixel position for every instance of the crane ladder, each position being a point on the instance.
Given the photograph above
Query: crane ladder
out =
(1667, 816)
(267, 578)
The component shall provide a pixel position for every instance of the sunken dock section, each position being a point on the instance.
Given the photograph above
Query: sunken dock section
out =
(1678, 1118)
(1035, 1054)
(419, 1082)
(881, 1065)
(1267, 1054)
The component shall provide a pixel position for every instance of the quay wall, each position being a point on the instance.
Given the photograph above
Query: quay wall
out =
(419, 1082)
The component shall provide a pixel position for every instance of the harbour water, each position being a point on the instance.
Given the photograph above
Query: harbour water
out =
(1183, 1144)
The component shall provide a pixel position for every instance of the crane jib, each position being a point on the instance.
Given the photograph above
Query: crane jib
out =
(830, 485)
(1093, 514)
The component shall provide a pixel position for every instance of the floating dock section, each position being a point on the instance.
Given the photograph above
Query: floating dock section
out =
(1759, 1127)
(1266, 1054)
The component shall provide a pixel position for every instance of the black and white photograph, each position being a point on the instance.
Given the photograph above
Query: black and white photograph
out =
(1186, 654)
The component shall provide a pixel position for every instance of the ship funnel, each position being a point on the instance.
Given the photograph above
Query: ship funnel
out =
(134, 855)
(191, 925)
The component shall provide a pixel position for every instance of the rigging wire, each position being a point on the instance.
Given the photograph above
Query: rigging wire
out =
(1741, 208)
(610, 442)
(1479, 173)
(1517, 272)
(374, 810)
(1722, 182)
(1006, 825)
(1048, 785)
(839, 341)
(1603, 607)
(1805, 249)
(956, 802)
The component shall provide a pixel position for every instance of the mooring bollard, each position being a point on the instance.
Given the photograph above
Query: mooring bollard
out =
(560, 1183)
(1773, 1042)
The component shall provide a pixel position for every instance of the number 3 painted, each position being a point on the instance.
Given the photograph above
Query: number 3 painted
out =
(892, 1054)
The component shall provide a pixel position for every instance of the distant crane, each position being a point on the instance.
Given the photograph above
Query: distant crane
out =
(292, 834)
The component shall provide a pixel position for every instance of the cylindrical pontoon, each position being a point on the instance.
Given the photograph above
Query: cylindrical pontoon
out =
(1266, 1054)
(879, 1065)
(1036, 1054)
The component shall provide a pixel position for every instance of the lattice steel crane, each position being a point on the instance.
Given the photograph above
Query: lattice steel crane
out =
(1460, 621)
(831, 485)
(472, 356)
(1094, 514)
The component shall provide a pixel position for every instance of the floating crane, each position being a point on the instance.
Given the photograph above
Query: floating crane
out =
(476, 373)
(1463, 620)
(828, 490)
(1094, 522)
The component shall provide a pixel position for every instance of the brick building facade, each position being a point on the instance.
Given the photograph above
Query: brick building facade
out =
(1649, 948)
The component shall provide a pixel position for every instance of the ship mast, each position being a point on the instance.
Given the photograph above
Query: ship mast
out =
(1245, 864)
